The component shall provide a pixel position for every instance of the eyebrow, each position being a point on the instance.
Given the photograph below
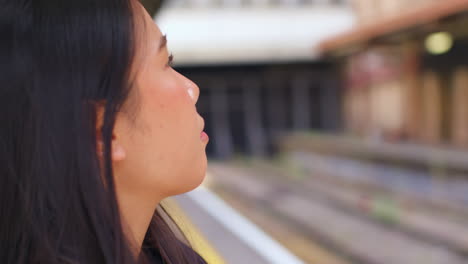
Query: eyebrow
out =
(163, 42)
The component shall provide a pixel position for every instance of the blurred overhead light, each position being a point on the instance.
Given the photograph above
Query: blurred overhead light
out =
(439, 43)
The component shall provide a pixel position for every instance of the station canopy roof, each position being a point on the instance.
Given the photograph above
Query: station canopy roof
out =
(412, 19)
(240, 35)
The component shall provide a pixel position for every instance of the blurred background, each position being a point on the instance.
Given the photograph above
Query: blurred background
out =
(338, 127)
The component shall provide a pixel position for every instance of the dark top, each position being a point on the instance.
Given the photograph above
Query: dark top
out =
(156, 258)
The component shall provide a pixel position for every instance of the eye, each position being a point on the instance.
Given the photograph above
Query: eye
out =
(170, 60)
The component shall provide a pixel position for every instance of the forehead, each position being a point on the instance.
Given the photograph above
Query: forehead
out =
(147, 38)
(148, 34)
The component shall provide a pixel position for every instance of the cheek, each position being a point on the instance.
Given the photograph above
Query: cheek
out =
(164, 93)
(165, 110)
(168, 110)
(171, 137)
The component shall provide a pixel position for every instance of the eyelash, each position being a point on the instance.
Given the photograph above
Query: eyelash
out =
(170, 60)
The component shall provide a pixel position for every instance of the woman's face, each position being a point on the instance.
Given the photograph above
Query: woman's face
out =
(158, 150)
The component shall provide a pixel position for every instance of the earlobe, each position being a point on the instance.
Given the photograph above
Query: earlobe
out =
(118, 152)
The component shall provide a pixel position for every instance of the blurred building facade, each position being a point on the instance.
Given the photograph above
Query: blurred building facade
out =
(405, 71)
(372, 11)
(250, 3)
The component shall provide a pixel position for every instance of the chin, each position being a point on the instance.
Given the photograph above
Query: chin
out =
(190, 184)
(199, 176)
(193, 178)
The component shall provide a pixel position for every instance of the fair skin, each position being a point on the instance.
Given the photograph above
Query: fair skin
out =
(157, 151)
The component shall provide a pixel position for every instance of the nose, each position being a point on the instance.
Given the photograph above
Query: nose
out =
(193, 90)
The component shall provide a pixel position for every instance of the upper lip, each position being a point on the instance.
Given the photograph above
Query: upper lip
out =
(202, 123)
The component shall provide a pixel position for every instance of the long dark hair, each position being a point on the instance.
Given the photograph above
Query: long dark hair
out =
(58, 60)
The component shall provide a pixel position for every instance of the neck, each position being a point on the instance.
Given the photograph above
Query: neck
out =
(136, 214)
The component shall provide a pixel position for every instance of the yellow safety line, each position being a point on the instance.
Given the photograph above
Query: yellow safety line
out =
(193, 234)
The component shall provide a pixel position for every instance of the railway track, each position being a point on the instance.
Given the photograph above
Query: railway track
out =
(328, 214)
(290, 237)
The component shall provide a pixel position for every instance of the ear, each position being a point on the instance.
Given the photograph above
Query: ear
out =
(118, 151)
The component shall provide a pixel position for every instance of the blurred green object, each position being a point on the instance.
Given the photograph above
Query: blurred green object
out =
(152, 6)
(385, 209)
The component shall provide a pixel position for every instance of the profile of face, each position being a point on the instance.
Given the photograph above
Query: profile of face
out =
(158, 148)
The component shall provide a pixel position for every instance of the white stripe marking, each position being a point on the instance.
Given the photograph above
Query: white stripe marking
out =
(242, 228)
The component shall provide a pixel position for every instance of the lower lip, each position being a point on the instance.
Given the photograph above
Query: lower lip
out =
(204, 137)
